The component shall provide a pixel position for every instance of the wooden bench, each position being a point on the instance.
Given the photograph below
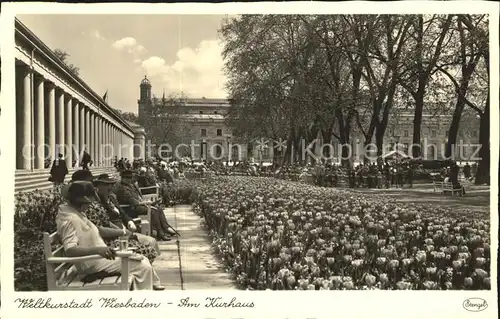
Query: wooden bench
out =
(446, 188)
(62, 275)
(150, 193)
(145, 220)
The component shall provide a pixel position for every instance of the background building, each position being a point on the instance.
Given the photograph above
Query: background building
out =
(57, 112)
(206, 128)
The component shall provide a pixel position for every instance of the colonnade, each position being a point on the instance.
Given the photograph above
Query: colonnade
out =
(51, 120)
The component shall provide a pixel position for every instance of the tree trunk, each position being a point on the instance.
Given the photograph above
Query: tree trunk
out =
(417, 121)
(453, 131)
(483, 168)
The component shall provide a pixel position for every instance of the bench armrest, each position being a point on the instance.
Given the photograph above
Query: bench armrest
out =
(73, 259)
(149, 187)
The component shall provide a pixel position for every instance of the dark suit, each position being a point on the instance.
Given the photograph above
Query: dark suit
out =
(130, 194)
(117, 216)
(58, 172)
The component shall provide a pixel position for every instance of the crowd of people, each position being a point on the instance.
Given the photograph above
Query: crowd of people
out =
(99, 210)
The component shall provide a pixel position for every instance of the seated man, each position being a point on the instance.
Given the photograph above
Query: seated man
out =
(103, 184)
(128, 193)
(144, 179)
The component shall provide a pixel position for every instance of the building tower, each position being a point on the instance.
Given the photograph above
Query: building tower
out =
(145, 101)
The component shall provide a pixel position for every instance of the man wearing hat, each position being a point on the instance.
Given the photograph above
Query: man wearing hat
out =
(104, 184)
(128, 193)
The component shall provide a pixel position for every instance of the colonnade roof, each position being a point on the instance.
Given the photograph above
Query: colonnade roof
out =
(36, 43)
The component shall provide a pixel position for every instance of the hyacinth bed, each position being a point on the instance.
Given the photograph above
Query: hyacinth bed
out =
(281, 235)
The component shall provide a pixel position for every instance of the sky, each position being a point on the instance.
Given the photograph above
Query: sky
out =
(178, 53)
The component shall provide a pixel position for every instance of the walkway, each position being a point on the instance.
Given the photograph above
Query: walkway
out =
(201, 268)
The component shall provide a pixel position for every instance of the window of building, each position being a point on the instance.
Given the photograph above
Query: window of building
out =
(218, 151)
(265, 152)
(201, 112)
(433, 133)
(406, 133)
(474, 133)
(203, 132)
(215, 112)
(219, 132)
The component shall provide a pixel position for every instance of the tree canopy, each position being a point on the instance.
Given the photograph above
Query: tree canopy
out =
(301, 76)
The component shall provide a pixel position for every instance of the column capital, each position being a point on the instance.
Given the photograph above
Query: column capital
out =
(39, 77)
(49, 84)
(24, 69)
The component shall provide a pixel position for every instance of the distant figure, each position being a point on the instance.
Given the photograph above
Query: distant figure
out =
(467, 171)
(86, 160)
(58, 171)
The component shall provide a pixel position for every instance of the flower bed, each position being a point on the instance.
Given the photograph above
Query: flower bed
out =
(35, 213)
(274, 234)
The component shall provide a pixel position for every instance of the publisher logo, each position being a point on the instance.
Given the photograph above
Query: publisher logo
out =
(475, 304)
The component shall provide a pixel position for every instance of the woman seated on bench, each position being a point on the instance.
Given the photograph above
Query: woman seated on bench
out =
(80, 237)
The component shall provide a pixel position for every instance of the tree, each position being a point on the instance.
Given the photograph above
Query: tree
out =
(165, 125)
(481, 98)
(466, 60)
(428, 41)
(63, 56)
(128, 116)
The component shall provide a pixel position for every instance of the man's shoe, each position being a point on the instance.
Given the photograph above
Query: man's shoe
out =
(164, 238)
(171, 232)
(158, 287)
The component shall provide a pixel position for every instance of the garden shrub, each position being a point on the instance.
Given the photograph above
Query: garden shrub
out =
(35, 213)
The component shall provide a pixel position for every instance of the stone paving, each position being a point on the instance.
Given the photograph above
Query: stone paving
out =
(200, 266)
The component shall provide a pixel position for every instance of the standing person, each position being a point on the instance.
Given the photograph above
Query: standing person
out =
(80, 237)
(387, 174)
(467, 171)
(58, 171)
(86, 160)
(400, 175)
(409, 175)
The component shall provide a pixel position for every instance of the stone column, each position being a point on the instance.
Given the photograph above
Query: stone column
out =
(69, 132)
(92, 137)
(24, 140)
(60, 123)
(119, 143)
(98, 139)
(95, 140)
(139, 143)
(104, 143)
(115, 144)
(108, 144)
(51, 120)
(76, 131)
(81, 133)
(40, 123)
(86, 111)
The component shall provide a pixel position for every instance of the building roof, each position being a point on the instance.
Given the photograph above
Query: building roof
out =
(206, 102)
(145, 81)
(29, 37)
(202, 116)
